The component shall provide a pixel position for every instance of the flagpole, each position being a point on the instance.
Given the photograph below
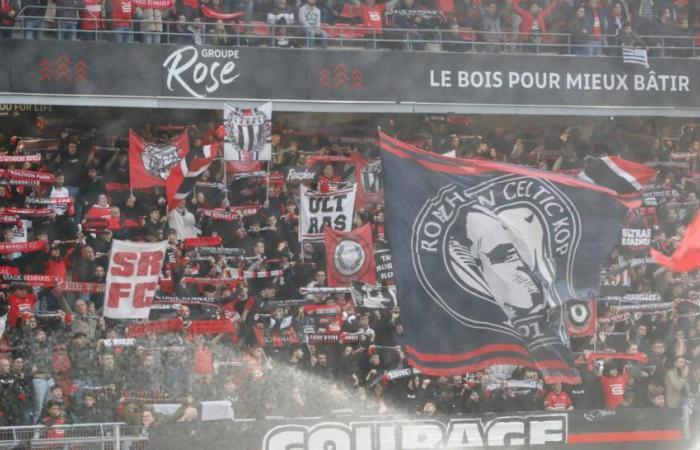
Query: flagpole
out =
(267, 183)
(223, 163)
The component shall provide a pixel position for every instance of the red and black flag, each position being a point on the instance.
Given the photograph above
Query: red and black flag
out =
(490, 255)
(184, 175)
(686, 256)
(350, 256)
(620, 175)
(150, 164)
(581, 318)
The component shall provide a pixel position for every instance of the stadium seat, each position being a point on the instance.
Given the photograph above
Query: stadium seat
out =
(259, 28)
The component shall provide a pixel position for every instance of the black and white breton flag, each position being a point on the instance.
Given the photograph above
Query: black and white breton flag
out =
(183, 176)
(373, 297)
(248, 133)
(620, 175)
(635, 56)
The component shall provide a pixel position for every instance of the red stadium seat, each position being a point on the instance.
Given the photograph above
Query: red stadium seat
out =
(259, 28)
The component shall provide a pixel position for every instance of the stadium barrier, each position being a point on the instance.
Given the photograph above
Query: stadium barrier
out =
(621, 428)
(90, 436)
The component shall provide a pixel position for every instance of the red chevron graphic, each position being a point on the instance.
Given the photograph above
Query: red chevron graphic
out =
(45, 70)
(80, 70)
(357, 79)
(63, 69)
(341, 76)
(325, 78)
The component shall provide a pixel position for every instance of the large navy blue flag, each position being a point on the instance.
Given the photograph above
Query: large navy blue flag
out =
(486, 253)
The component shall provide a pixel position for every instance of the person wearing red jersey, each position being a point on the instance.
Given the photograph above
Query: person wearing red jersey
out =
(614, 385)
(8, 15)
(558, 400)
(329, 181)
(21, 302)
(91, 19)
(121, 12)
(371, 15)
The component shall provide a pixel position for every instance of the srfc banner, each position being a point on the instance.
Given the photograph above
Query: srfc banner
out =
(321, 210)
(248, 133)
(132, 278)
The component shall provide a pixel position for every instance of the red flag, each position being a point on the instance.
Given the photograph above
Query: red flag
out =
(581, 318)
(368, 176)
(183, 176)
(150, 164)
(687, 254)
(350, 256)
(243, 166)
(204, 241)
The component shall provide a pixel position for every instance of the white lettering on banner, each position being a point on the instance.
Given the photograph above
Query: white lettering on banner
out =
(636, 237)
(132, 278)
(193, 75)
(571, 81)
(318, 211)
(415, 435)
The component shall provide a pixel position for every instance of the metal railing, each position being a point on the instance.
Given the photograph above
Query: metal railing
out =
(92, 436)
(255, 33)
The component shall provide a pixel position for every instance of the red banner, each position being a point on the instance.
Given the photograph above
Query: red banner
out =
(40, 212)
(24, 247)
(243, 166)
(211, 327)
(149, 163)
(30, 175)
(86, 288)
(132, 278)
(581, 318)
(370, 183)
(9, 270)
(157, 327)
(212, 14)
(205, 241)
(350, 256)
(155, 4)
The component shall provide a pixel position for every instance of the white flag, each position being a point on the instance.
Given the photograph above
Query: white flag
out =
(248, 133)
(635, 56)
(330, 209)
(132, 278)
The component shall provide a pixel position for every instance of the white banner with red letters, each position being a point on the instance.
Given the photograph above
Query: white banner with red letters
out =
(132, 278)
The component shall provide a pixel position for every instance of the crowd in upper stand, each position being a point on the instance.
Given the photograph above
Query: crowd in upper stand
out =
(587, 27)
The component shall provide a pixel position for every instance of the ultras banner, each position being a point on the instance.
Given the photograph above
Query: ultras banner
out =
(489, 253)
(132, 278)
(321, 210)
(84, 68)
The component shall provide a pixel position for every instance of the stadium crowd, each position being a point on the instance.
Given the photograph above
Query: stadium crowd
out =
(63, 362)
(585, 27)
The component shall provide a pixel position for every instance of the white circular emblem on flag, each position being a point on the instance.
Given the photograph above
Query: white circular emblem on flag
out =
(349, 257)
(579, 313)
